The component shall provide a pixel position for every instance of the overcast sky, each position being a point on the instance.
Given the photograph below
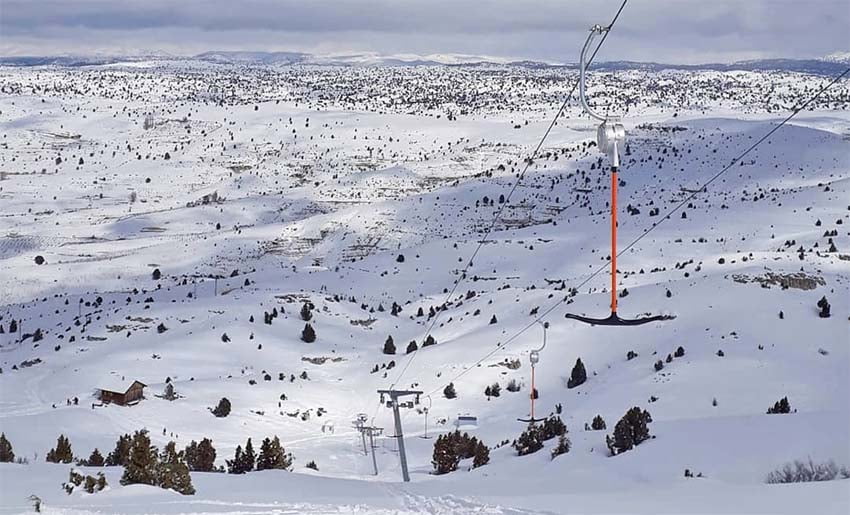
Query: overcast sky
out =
(675, 31)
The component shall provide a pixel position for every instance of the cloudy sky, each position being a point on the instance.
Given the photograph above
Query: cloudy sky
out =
(678, 31)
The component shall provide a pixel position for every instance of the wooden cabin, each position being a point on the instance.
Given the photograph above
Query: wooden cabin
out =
(132, 395)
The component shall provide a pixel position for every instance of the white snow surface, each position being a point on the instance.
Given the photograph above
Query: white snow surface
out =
(324, 177)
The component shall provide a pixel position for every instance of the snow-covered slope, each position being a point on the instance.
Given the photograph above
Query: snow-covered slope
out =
(356, 189)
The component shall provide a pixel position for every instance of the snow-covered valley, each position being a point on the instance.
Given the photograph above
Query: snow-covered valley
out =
(168, 224)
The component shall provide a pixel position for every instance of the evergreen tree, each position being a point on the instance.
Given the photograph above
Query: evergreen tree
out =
(449, 391)
(530, 441)
(141, 465)
(598, 423)
(781, 406)
(680, 351)
(223, 408)
(563, 446)
(190, 454)
(444, 458)
(389, 345)
(578, 375)
(412, 347)
(264, 457)
(169, 393)
(121, 453)
(249, 456)
(172, 471)
(306, 313)
(824, 306)
(62, 452)
(273, 456)
(200, 457)
(237, 464)
(552, 427)
(429, 340)
(89, 484)
(481, 456)
(7, 455)
(95, 459)
(308, 335)
(630, 431)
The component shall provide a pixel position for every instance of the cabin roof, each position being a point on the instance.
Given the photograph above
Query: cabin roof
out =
(116, 384)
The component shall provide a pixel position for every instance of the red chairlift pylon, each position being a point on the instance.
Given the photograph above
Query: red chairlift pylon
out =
(610, 137)
(534, 358)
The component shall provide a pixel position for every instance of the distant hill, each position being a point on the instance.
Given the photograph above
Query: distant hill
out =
(829, 65)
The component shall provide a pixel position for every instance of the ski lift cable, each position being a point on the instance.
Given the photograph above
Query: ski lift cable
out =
(501, 209)
(690, 197)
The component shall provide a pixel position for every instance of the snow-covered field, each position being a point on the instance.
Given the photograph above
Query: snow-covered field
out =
(252, 189)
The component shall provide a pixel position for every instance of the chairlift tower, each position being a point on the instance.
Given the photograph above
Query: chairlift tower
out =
(394, 403)
(372, 432)
(610, 138)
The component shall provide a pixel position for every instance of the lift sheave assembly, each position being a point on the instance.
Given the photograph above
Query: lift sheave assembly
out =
(610, 138)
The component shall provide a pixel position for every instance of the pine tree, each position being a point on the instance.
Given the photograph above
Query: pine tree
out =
(172, 471)
(563, 446)
(200, 457)
(101, 481)
(824, 306)
(306, 313)
(481, 456)
(7, 455)
(530, 441)
(273, 456)
(264, 457)
(89, 484)
(223, 408)
(412, 347)
(781, 406)
(62, 452)
(249, 456)
(95, 459)
(578, 375)
(237, 464)
(141, 465)
(598, 423)
(389, 345)
(449, 391)
(445, 458)
(169, 393)
(121, 453)
(308, 335)
(552, 427)
(630, 431)
(429, 341)
(190, 454)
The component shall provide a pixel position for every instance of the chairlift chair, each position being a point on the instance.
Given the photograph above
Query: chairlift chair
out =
(610, 137)
(534, 358)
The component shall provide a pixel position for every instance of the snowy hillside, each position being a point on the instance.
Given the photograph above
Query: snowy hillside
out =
(169, 225)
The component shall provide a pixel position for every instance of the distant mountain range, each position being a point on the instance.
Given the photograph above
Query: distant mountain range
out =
(829, 65)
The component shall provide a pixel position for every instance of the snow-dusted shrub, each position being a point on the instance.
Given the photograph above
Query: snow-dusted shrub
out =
(563, 446)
